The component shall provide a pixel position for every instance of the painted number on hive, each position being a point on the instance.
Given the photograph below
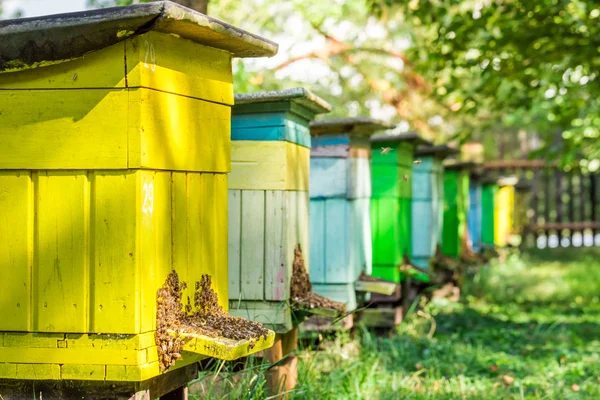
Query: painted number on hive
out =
(148, 204)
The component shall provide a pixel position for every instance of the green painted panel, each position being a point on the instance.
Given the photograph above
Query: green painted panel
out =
(384, 180)
(405, 153)
(456, 204)
(405, 176)
(488, 193)
(389, 158)
(385, 231)
(387, 272)
(405, 226)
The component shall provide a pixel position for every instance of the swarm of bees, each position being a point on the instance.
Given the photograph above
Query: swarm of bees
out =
(206, 318)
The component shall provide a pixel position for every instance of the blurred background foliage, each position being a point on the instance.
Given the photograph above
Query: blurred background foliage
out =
(520, 73)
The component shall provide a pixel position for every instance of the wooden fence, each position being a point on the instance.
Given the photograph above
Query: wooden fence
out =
(553, 207)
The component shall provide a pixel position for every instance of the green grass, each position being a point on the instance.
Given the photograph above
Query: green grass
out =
(527, 328)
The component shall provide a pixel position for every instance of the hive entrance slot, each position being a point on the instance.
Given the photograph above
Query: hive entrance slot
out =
(205, 329)
(372, 284)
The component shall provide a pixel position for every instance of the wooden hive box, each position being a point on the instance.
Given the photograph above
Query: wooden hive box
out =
(427, 204)
(504, 205)
(114, 132)
(456, 206)
(340, 191)
(475, 215)
(268, 200)
(391, 201)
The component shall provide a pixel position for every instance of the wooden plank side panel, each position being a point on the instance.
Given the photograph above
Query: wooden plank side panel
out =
(385, 180)
(385, 231)
(61, 129)
(62, 235)
(337, 236)
(317, 240)
(179, 228)
(190, 135)
(16, 249)
(269, 165)
(359, 178)
(218, 223)
(329, 177)
(234, 243)
(175, 65)
(422, 229)
(102, 69)
(162, 223)
(277, 271)
(298, 226)
(405, 226)
(360, 247)
(253, 244)
(146, 247)
(115, 284)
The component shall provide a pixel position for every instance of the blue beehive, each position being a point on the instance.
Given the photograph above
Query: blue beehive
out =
(340, 191)
(427, 202)
(474, 215)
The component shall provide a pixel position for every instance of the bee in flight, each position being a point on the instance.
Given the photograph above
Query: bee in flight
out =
(417, 162)
(405, 177)
(385, 150)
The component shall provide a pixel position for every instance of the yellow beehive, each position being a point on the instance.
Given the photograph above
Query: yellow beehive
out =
(114, 153)
(504, 204)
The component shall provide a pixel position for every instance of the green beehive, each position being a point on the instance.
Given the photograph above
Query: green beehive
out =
(456, 206)
(391, 201)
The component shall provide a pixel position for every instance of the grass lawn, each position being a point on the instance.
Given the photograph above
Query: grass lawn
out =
(527, 328)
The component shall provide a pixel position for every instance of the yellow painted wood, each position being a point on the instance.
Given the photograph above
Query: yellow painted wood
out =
(269, 165)
(187, 135)
(62, 246)
(115, 284)
(50, 129)
(87, 372)
(503, 214)
(38, 372)
(225, 349)
(218, 213)
(100, 69)
(116, 342)
(146, 251)
(32, 340)
(8, 371)
(166, 63)
(154, 60)
(112, 129)
(72, 356)
(16, 244)
(179, 229)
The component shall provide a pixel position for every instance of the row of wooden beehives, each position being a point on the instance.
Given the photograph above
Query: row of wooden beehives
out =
(116, 167)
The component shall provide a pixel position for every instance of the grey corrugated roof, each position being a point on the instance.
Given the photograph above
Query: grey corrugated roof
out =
(298, 95)
(30, 42)
(348, 125)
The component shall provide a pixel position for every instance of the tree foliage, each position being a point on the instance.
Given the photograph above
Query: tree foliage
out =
(507, 63)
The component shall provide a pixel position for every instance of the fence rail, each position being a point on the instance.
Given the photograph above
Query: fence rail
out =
(553, 207)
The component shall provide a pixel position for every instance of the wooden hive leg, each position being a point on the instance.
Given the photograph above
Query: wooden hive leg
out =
(283, 377)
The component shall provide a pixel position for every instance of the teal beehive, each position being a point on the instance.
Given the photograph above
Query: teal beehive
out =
(340, 191)
(427, 202)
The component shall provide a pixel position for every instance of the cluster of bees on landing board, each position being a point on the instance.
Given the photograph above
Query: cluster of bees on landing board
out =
(386, 150)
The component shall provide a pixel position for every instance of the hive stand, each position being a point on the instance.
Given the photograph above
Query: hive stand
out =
(504, 203)
(391, 220)
(268, 213)
(340, 222)
(427, 206)
(114, 126)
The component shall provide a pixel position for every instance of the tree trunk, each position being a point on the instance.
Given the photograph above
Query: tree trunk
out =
(198, 5)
